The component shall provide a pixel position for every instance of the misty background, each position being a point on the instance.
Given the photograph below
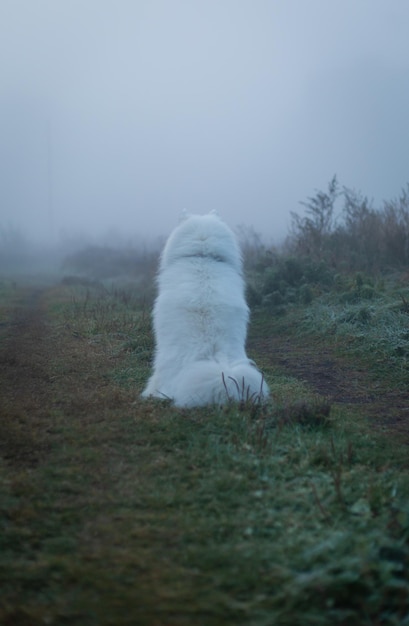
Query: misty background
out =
(116, 115)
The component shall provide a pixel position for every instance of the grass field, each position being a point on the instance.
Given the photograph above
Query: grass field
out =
(119, 512)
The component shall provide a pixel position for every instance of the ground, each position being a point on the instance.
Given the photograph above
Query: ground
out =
(115, 512)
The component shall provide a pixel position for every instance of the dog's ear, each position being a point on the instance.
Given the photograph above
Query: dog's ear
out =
(183, 215)
(215, 214)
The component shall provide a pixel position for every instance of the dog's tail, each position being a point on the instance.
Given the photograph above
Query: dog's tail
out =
(211, 382)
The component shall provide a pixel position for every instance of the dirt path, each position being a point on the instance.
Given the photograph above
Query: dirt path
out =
(46, 375)
(341, 381)
(24, 382)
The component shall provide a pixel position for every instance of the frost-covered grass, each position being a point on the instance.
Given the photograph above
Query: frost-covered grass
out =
(377, 329)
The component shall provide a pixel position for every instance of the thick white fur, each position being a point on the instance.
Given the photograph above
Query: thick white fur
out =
(200, 319)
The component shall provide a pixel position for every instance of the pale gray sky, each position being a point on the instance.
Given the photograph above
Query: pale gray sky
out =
(118, 114)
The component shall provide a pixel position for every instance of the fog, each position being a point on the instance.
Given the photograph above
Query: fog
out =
(116, 115)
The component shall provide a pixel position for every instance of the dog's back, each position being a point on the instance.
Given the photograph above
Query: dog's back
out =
(200, 315)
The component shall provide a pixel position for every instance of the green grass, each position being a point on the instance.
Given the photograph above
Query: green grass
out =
(140, 513)
(196, 518)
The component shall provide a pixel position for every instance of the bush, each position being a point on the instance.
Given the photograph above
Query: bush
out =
(355, 288)
(359, 238)
(288, 281)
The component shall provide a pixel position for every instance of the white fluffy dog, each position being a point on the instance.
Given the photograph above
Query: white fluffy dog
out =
(200, 319)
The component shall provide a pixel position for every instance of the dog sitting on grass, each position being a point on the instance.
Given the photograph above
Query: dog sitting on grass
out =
(200, 319)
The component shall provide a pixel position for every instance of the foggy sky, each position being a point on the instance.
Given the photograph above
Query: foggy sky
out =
(117, 114)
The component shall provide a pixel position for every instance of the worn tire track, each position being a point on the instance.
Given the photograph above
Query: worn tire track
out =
(47, 376)
(340, 380)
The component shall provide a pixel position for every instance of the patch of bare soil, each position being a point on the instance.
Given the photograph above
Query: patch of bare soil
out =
(47, 376)
(339, 380)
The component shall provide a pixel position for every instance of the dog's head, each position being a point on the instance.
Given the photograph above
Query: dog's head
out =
(204, 236)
